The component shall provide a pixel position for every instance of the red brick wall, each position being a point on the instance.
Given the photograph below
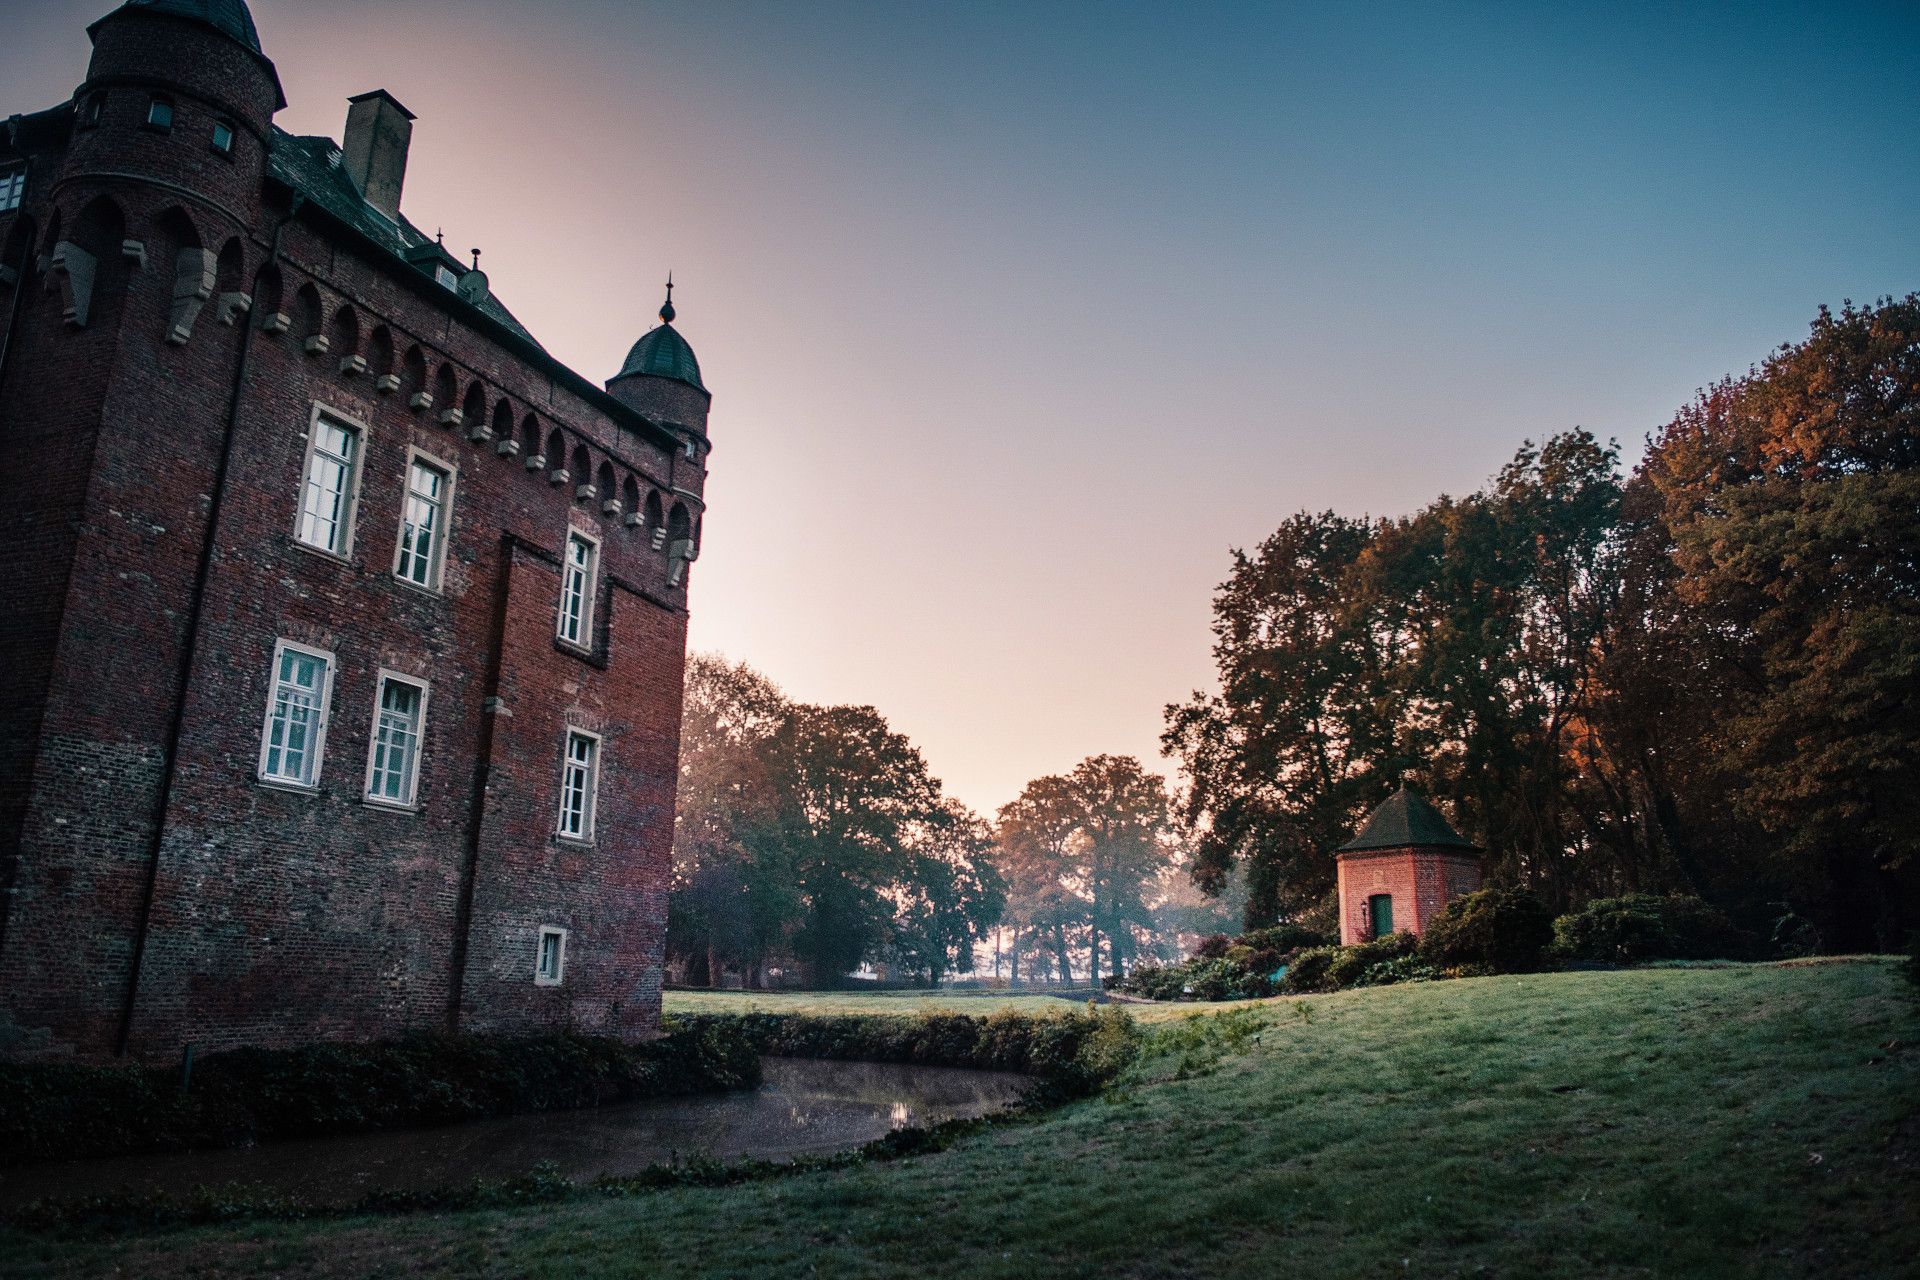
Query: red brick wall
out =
(1421, 881)
(280, 916)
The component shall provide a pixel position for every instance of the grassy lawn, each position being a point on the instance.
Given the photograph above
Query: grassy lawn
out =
(1740, 1121)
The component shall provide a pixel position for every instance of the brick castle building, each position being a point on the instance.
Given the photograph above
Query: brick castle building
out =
(341, 625)
(1401, 869)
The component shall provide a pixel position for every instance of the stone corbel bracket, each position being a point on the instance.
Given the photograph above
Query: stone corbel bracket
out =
(72, 269)
(229, 307)
(193, 281)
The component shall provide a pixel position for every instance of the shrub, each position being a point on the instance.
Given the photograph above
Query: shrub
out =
(1155, 982)
(1225, 979)
(1645, 926)
(1212, 948)
(1495, 930)
(1283, 938)
(1308, 970)
(257, 1095)
(1354, 966)
(1072, 1053)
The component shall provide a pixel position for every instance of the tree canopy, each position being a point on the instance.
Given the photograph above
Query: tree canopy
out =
(1698, 676)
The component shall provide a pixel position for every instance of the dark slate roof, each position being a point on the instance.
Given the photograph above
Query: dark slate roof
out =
(1405, 819)
(229, 17)
(311, 166)
(663, 353)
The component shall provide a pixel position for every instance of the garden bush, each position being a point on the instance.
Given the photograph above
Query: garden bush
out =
(1394, 958)
(1492, 931)
(1223, 968)
(258, 1095)
(1307, 971)
(1645, 926)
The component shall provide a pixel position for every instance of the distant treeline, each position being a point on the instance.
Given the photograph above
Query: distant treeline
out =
(813, 841)
(1703, 676)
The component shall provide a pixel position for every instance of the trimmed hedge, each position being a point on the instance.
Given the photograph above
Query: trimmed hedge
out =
(1491, 931)
(261, 1095)
(1646, 926)
(1071, 1053)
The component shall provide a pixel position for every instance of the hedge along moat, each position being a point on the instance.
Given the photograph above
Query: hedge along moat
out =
(249, 1096)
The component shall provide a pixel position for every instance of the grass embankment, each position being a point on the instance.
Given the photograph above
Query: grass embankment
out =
(1742, 1121)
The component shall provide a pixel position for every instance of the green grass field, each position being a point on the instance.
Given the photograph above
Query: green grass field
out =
(1738, 1121)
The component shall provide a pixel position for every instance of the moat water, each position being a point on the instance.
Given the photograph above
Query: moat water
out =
(803, 1107)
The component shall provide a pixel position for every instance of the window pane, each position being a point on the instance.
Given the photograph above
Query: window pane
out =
(396, 744)
(293, 728)
(328, 487)
(420, 524)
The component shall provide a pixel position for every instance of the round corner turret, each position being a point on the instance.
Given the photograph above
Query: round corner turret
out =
(661, 377)
(178, 91)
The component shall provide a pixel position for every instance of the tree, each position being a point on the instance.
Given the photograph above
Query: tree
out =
(1787, 504)
(1455, 647)
(732, 888)
(1083, 853)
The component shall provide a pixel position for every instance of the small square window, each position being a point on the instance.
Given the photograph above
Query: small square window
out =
(13, 186)
(90, 110)
(550, 957)
(223, 137)
(160, 114)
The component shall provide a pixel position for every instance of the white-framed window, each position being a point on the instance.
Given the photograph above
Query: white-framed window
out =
(300, 687)
(579, 782)
(577, 589)
(393, 749)
(330, 483)
(550, 957)
(13, 187)
(424, 522)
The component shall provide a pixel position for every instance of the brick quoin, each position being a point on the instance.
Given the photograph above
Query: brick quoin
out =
(160, 305)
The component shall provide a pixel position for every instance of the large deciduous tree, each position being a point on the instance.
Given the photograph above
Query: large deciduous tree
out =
(1787, 505)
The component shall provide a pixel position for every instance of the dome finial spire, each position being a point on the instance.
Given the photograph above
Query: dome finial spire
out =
(666, 308)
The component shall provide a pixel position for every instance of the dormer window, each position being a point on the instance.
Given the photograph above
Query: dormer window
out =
(13, 185)
(444, 274)
(160, 114)
(223, 137)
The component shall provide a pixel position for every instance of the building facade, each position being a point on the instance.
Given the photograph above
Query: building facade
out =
(340, 670)
(1401, 869)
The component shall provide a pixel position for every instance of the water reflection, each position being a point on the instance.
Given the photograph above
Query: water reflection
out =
(804, 1107)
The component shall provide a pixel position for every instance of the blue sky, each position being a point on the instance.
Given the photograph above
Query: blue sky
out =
(1019, 316)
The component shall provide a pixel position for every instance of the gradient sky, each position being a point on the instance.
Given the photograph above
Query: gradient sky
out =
(1019, 316)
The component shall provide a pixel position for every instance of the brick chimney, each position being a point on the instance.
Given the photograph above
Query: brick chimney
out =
(375, 151)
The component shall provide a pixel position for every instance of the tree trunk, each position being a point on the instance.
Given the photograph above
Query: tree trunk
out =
(1060, 953)
(716, 968)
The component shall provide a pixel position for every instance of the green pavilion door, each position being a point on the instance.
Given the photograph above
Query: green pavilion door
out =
(1380, 914)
